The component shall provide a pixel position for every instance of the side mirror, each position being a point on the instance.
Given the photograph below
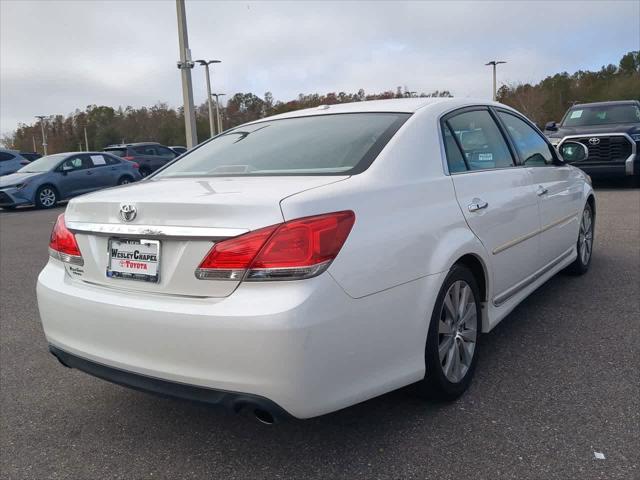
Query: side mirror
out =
(551, 127)
(573, 152)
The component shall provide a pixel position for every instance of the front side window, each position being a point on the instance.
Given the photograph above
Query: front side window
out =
(339, 144)
(533, 149)
(5, 157)
(73, 163)
(483, 146)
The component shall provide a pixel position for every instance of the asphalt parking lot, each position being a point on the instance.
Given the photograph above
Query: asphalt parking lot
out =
(558, 381)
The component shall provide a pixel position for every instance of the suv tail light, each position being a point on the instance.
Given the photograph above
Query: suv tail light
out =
(136, 165)
(297, 249)
(129, 157)
(63, 245)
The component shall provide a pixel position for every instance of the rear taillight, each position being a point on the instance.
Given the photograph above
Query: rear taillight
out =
(136, 165)
(63, 245)
(130, 158)
(293, 250)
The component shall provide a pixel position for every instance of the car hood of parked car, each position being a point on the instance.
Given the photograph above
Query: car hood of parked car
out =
(17, 178)
(629, 128)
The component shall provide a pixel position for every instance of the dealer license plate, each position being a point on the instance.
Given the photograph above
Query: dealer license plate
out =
(134, 259)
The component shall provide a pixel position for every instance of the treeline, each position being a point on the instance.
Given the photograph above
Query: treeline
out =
(161, 123)
(545, 101)
(549, 99)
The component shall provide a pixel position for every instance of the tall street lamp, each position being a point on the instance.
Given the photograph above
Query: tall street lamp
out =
(494, 63)
(86, 139)
(206, 64)
(185, 65)
(218, 118)
(44, 138)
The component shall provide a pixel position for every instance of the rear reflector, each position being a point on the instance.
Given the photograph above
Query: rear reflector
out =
(297, 249)
(63, 245)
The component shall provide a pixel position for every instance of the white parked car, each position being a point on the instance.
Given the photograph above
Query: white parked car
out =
(309, 261)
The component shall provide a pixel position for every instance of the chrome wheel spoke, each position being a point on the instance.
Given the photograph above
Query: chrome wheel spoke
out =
(449, 306)
(468, 335)
(444, 348)
(444, 328)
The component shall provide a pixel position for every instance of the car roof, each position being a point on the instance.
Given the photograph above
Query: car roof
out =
(395, 105)
(609, 102)
(136, 144)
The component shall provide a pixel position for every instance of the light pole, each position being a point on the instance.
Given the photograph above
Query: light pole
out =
(494, 63)
(218, 118)
(86, 139)
(185, 65)
(206, 66)
(44, 138)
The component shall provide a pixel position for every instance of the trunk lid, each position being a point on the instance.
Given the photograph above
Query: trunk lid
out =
(185, 216)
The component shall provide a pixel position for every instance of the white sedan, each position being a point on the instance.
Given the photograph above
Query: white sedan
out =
(302, 263)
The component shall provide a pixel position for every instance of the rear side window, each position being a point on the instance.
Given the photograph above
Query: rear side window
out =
(454, 156)
(146, 150)
(336, 144)
(532, 148)
(5, 157)
(119, 152)
(483, 146)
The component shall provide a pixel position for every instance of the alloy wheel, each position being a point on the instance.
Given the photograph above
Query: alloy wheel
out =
(585, 239)
(47, 197)
(457, 331)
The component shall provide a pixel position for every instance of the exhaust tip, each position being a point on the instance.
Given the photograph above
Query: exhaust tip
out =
(263, 416)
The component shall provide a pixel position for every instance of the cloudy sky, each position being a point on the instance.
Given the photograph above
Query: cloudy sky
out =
(56, 56)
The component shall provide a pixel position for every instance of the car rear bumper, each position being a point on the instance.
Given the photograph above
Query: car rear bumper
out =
(306, 346)
(232, 401)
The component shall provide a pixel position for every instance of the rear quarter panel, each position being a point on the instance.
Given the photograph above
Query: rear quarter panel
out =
(408, 222)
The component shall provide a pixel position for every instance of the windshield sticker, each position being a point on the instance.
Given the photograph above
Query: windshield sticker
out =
(576, 114)
(98, 160)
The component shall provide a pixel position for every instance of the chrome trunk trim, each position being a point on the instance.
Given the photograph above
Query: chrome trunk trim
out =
(154, 231)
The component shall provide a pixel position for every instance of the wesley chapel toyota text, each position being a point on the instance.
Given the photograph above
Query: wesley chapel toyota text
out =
(305, 262)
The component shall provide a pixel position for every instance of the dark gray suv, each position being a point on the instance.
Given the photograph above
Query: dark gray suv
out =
(149, 155)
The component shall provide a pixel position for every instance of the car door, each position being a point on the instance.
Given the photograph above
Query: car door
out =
(104, 173)
(71, 176)
(495, 195)
(559, 195)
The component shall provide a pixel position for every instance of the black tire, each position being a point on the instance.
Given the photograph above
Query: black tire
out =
(124, 180)
(46, 197)
(436, 385)
(579, 265)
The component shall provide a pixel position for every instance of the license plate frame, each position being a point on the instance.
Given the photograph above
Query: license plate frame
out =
(125, 272)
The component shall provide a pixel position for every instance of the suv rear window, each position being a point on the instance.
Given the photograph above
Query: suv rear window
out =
(336, 144)
(120, 152)
(601, 115)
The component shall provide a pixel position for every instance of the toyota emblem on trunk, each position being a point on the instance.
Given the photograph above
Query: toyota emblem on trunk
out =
(128, 212)
(594, 141)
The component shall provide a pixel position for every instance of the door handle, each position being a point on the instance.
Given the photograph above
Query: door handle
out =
(477, 205)
(541, 190)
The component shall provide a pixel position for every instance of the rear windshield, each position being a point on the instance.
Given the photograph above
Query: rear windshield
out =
(119, 152)
(341, 144)
(601, 115)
